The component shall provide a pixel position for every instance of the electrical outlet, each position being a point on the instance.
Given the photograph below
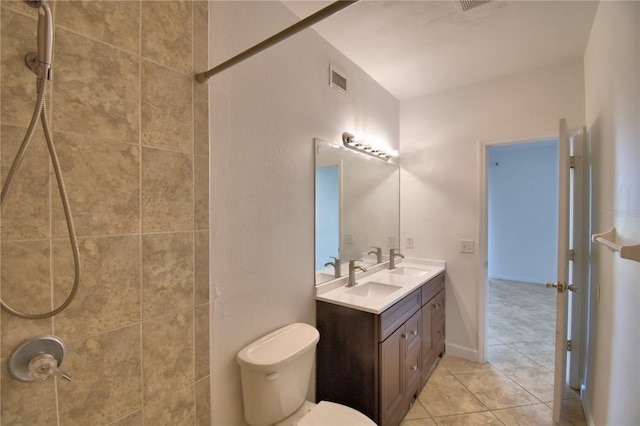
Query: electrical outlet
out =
(466, 246)
(409, 243)
(391, 241)
(347, 239)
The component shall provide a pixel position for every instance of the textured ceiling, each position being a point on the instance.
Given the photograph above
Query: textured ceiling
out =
(413, 48)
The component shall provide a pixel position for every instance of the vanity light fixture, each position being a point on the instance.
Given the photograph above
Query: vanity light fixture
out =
(350, 141)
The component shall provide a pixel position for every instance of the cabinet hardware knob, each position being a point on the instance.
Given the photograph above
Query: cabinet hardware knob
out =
(414, 332)
(414, 367)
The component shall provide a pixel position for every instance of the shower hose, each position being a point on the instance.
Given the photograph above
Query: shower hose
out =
(39, 113)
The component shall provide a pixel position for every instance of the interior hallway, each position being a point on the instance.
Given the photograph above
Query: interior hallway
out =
(516, 386)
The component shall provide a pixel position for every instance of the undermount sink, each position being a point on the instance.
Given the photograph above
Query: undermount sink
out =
(373, 289)
(410, 272)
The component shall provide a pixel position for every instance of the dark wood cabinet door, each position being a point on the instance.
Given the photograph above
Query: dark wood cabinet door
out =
(392, 386)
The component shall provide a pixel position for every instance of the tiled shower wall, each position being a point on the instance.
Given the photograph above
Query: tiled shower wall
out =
(131, 129)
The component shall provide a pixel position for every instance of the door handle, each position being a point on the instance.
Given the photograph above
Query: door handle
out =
(561, 287)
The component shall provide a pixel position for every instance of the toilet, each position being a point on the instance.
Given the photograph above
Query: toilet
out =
(275, 371)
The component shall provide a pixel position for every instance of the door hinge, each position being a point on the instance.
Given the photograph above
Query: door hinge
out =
(572, 162)
(572, 254)
(568, 345)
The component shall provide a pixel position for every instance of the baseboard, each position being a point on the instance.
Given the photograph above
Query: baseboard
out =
(461, 352)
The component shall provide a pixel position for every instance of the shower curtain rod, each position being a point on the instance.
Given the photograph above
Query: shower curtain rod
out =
(276, 38)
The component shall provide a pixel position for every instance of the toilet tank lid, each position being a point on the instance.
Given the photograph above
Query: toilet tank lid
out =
(278, 347)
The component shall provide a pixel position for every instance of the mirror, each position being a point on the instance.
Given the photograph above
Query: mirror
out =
(357, 201)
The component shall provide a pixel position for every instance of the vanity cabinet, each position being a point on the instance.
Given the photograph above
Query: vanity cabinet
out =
(375, 363)
(433, 325)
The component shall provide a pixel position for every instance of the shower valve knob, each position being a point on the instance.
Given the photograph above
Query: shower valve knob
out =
(37, 359)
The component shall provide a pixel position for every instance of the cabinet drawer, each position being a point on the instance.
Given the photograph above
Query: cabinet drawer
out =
(397, 314)
(432, 287)
(412, 331)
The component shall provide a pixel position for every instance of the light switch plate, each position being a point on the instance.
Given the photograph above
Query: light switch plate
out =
(466, 246)
(409, 243)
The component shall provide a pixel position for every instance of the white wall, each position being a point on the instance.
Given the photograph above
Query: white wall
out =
(439, 170)
(523, 211)
(612, 74)
(265, 113)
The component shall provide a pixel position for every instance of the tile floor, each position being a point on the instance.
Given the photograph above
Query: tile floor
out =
(516, 386)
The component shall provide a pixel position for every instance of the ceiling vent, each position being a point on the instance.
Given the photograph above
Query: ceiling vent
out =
(470, 4)
(338, 79)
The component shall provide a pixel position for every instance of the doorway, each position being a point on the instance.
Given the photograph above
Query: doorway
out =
(522, 205)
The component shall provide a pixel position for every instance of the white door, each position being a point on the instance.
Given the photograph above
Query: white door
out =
(563, 284)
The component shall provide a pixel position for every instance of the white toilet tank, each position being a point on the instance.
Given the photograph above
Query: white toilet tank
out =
(275, 372)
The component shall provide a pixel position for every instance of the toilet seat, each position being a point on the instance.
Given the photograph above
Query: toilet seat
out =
(332, 414)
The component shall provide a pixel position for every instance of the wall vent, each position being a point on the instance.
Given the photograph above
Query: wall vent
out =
(338, 79)
(469, 4)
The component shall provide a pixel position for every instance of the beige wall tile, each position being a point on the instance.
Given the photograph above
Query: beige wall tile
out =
(201, 192)
(113, 22)
(106, 378)
(26, 284)
(25, 214)
(167, 273)
(167, 191)
(167, 33)
(108, 296)
(117, 189)
(167, 108)
(201, 90)
(201, 118)
(201, 326)
(200, 36)
(168, 353)
(17, 82)
(18, 402)
(176, 410)
(103, 186)
(203, 402)
(98, 96)
(202, 267)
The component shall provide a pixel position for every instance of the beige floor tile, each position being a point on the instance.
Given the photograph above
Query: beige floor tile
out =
(536, 380)
(543, 352)
(572, 412)
(496, 391)
(471, 419)
(418, 422)
(417, 411)
(535, 415)
(445, 395)
(504, 357)
(457, 365)
(440, 370)
(521, 345)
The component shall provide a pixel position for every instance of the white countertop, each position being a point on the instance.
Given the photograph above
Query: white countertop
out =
(379, 288)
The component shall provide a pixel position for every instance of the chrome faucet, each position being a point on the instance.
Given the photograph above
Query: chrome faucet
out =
(378, 253)
(352, 271)
(392, 257)
(336, 266)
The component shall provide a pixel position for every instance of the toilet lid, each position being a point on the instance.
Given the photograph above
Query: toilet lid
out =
(332, 414)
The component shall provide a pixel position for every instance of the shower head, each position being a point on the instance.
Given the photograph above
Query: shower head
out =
(40, 64)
